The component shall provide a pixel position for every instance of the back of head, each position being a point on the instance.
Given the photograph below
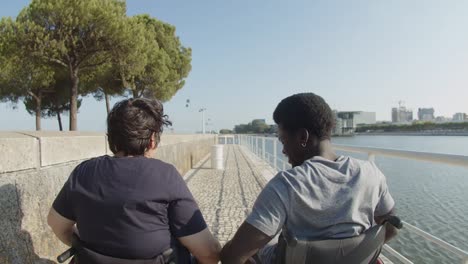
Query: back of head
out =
(305, 110)
(131, 124)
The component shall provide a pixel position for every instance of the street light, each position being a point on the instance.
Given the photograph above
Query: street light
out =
(202, 110)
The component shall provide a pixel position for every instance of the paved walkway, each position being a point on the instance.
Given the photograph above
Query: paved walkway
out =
(226, 197)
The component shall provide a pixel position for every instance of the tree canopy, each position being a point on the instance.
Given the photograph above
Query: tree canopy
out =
(166, 61)
(95, 43)
(257, 126)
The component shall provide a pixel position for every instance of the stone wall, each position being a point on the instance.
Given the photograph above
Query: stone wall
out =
(35, 165)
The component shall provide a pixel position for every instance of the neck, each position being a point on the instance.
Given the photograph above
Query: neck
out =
(121, 154)
(324, 149)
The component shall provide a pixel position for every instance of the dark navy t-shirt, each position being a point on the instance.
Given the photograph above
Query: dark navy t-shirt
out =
(129, 207)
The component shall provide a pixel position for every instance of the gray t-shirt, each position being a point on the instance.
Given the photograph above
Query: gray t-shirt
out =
(323, 199)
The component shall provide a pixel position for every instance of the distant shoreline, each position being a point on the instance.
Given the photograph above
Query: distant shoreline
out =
(422, 133)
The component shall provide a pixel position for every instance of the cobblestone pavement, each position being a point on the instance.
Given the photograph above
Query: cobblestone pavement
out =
(226, 197)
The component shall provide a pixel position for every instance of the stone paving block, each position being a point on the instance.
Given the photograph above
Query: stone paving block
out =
(226, 197)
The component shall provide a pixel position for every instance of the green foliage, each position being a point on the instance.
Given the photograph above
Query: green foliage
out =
(168, 62)
(74, 34)
(257, 126)
(55, 101)
(105, 80)
(225, 131)
(19, 77)
(415, 127)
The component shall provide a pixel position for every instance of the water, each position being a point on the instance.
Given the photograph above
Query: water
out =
(433, 197)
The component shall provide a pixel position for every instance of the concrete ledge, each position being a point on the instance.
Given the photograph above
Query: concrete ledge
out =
(170, 139)
(18, 152)
(36, 149)
(61, 147)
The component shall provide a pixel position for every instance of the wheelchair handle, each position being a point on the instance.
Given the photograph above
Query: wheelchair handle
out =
(394, 221)
(66, 255)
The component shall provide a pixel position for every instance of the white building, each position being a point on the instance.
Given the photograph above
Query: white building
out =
(460, 117)
(347, 121)
(426, 114)
(365, 118)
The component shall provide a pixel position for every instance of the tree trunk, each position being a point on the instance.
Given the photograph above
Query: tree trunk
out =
(107, 98)
(38, 99)
(135, 94)
(74, 99)
(59, 119)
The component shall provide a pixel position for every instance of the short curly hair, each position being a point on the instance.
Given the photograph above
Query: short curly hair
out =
(305, 110)
(131, 123)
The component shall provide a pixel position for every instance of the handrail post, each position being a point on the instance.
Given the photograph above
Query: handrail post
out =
(256, 146)
(275, 156)
(263, 147)
(253, 145)
(254, 149)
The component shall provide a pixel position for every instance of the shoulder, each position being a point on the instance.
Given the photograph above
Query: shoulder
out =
(291, 177)
(89, 164)
(163, 173)
(367, 169)
(282, 183)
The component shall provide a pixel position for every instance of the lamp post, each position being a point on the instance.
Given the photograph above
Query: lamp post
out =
(202, 110)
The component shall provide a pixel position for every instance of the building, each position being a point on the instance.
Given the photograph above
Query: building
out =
(460, 117)
(347, 121)
(426, 114)
(395, 115)
(402, 114)
(442, 119)
(364, 118)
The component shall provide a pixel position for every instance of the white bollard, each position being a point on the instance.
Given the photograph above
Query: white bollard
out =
(217, 161)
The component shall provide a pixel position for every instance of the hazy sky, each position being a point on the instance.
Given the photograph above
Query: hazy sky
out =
(248, 55)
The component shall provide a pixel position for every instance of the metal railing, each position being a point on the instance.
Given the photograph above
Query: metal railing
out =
(257, 145)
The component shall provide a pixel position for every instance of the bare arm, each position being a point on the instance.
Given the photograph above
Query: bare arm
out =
(203, 246)
(390, 230)
(62, 227)
(246, 243)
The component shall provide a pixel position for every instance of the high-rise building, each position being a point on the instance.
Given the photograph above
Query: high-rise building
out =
(460, 117)
(395, 115)
(401, 114)
(426, 114)
(348, 120)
